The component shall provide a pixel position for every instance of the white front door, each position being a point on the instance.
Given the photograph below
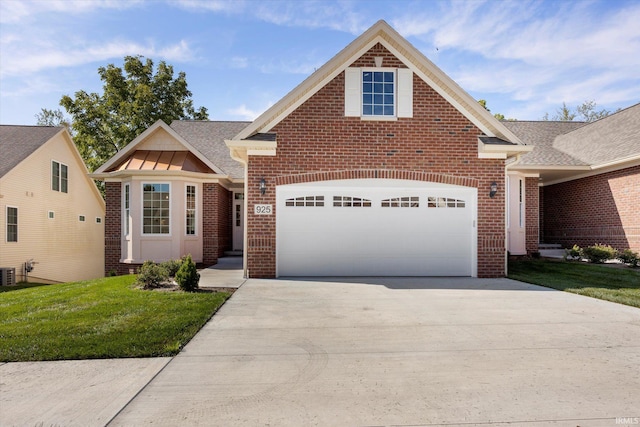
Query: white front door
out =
(376, 227)
(238, 221)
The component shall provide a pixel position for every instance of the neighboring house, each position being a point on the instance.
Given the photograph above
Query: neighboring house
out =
(377, 164)
(589, 178)
(174, 191)
(50, 210)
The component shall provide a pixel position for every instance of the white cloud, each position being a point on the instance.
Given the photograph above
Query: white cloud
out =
(239, 62)
(245, 113)
(30, 59)
(12, 11)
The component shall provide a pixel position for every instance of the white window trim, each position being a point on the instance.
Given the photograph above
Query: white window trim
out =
(403, 93)
(51, 215)
(142, 233)
(6, 223)
(60, 164)
(126, 211)
(195, 219)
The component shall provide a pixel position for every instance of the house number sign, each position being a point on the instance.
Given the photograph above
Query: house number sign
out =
(262, 209)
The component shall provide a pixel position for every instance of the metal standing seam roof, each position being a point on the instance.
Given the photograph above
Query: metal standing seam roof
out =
(18, 142)
(208, 138)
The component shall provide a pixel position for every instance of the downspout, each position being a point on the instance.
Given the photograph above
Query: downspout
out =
(506, 210)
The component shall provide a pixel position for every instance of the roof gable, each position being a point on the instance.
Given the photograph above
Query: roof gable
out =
(19, 142)
(165, 139)
(384, 34)
(610, 139)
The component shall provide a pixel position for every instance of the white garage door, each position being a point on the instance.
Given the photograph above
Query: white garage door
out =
(375, 227)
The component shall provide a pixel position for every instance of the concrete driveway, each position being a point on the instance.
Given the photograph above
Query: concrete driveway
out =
(363, 352)
(372, 352)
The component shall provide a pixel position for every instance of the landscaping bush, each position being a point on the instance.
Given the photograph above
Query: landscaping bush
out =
(151, 275)
(629, 257)
(599, 253)
(172, 266)
(187, 276)
(575, 253)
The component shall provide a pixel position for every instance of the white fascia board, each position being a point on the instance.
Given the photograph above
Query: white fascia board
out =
(523, 174)
(129, 148)
(599, 169)
(501, 151)
(240, 150)
(118, 175)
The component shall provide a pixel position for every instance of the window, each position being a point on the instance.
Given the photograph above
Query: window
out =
(401, 202)
(81, 218)
(59, 177)
(155, 208)
(51, 214)
(191, 210)
(378, 93)
(348, 202)
(12, 224)
(127, 209)
(305, 201)
(98, 220)
(444, 202)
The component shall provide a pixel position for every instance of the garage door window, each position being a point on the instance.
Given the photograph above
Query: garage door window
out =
(445, 202)
(305, 201)
(401, 202)
(350, 202)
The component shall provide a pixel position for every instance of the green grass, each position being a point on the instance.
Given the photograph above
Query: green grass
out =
(621, 285)
(104, 318)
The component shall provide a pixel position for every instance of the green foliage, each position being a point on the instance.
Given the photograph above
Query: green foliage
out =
(104, 123)
(101, 318)
(187, 276)
(629, 257)
(55, 117)
(575, 253)
(585, 112)
(597, 281)
(172, 266)
(151, 275)
(599, 253)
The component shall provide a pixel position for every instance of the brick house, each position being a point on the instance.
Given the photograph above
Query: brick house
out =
(377, 164)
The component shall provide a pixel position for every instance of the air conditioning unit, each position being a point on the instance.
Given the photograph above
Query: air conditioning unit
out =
(7, 276)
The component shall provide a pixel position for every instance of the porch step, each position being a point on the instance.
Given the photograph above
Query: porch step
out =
(232, 253)
(551, 250)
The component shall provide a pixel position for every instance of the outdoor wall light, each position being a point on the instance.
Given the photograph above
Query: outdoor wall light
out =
(263, 186)
(493, 189)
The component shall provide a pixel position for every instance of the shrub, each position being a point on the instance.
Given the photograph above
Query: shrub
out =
(187, 276)
(151, 275)
(572, 254)
(172, 266)
(629, 257)
(599, 253)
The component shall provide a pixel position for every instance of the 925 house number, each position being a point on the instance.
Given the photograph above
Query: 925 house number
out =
(262, 210)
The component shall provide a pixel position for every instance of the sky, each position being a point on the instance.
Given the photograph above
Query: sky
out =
(525, 58)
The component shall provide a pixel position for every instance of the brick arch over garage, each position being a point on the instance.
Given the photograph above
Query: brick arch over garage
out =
(376, 173)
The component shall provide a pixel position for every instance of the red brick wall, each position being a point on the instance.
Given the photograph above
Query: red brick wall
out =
(113, 228)
(210, 230)
(318, 138)
(532, 229)
(597, 209)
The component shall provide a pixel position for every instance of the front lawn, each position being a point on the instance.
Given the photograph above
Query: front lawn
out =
(621, 285)
(104, 318)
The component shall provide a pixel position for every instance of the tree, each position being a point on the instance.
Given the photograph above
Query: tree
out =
(104, 123)
(55, 117)
(585, 112)
(496, 115)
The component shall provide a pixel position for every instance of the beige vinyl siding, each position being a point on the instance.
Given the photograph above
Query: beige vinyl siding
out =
(64, 248)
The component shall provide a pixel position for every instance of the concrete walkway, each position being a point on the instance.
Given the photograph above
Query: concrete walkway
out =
(371, 352)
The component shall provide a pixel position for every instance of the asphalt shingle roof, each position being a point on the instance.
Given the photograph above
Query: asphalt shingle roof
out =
(208, 138)
(18, 142)
(612, 138)
(541, 135)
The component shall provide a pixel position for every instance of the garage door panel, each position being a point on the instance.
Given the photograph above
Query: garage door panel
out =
(424, 229)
